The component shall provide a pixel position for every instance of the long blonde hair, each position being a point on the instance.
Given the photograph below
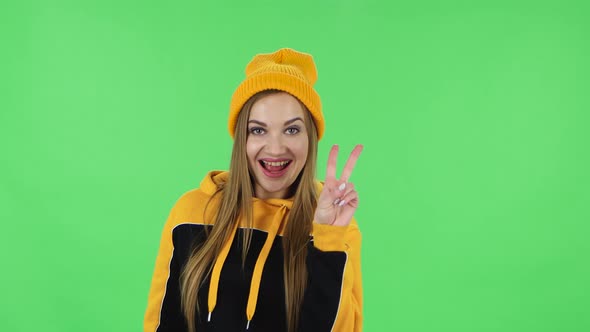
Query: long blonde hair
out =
(237, 194)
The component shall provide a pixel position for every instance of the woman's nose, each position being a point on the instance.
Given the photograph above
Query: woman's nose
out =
(275, 145)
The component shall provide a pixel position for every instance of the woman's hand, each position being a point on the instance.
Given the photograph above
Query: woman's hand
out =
(338, 199)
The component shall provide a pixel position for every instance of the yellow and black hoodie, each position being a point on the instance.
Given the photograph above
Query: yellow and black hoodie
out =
(252, 298)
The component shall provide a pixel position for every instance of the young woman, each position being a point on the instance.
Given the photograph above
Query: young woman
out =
(264, 247)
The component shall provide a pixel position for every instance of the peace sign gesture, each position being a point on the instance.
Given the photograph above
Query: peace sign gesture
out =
(338, 199)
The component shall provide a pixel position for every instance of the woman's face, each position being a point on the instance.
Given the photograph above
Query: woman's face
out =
(276, 145)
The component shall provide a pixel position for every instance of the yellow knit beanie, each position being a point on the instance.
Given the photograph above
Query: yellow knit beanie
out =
(286, 70)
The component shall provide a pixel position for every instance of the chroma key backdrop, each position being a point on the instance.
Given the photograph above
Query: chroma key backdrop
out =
(474, 181)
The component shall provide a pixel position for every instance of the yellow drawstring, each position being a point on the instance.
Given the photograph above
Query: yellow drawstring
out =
(257, 274)
(214, 284)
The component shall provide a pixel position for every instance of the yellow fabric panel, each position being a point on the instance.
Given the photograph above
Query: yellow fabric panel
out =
(188, 209)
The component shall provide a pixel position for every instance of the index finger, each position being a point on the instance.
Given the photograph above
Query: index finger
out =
(354, 155)
(331, 170)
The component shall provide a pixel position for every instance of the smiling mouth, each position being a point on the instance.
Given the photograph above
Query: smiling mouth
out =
(274, 166)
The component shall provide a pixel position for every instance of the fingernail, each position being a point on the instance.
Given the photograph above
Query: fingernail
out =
(342, 203)
(342, 186)
(337, 201)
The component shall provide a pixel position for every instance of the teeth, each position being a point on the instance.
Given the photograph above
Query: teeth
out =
(275, 163)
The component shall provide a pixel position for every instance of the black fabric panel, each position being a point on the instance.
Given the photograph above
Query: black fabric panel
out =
(171, 318)
(323, 292)
(320, 303)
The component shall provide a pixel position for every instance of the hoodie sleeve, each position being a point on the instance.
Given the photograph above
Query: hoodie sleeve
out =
(163, 311)
(333, 298)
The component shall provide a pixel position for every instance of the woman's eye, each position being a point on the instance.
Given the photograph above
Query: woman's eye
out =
(292, 130)
(256, 131)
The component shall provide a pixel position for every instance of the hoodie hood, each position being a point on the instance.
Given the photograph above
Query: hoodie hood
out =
(212, 180)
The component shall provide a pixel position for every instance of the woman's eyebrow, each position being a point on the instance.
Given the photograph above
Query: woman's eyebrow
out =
(257, 122)
(293, 120)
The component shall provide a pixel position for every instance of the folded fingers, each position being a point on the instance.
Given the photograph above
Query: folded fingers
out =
(343, 193)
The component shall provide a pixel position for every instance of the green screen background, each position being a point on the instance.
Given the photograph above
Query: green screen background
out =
(473, 182)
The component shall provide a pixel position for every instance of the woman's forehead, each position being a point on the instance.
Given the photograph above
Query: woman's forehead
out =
(277, 107)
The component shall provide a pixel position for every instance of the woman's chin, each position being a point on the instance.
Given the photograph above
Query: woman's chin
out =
(272, 190)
